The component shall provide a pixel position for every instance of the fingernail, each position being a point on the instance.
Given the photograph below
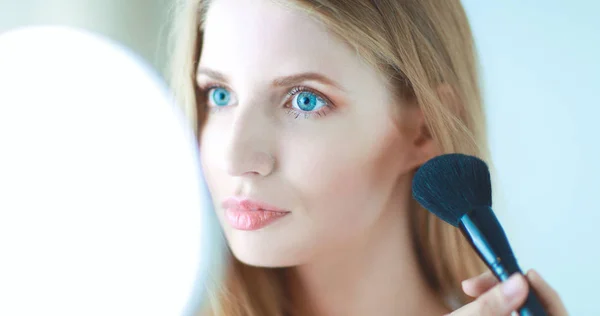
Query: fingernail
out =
(467, 281)
(512, 287)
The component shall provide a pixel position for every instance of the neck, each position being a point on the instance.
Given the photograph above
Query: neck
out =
(378, 275)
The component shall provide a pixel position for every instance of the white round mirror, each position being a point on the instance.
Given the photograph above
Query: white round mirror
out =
(103, 210)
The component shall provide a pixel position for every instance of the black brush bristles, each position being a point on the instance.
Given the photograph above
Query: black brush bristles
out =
(451, 185)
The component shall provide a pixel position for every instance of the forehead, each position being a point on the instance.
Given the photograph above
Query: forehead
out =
(261, 38)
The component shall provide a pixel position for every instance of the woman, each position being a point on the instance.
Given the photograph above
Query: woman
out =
(313, 116)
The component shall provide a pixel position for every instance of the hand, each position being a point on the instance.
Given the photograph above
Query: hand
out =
(501, 299)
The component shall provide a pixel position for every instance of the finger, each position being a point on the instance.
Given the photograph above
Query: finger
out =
(547, 295)
(480, 284)
(501, 299)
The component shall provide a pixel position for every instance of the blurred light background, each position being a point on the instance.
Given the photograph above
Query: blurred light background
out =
(140, 24)
(541, 75)
(541, 78)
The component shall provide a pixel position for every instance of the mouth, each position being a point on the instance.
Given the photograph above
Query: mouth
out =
(248, 215)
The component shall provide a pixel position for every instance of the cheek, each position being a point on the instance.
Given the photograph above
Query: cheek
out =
(344, 187)
(208, 170)
(211, 157)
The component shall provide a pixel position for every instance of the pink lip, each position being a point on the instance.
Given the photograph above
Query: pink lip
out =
(246, 214)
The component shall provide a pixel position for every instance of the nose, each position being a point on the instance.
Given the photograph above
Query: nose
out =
(249, 148)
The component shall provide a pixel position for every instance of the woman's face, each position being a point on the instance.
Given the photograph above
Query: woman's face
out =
(304, 149)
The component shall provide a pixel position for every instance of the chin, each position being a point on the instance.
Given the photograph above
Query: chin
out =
(256, 261)
(259, 252)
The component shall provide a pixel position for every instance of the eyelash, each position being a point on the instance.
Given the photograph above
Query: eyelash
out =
(295, 113)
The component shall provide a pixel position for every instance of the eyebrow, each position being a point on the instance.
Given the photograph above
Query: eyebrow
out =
(278, 82)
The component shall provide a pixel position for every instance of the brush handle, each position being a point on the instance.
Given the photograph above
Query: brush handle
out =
(532, 305)
(484, 233)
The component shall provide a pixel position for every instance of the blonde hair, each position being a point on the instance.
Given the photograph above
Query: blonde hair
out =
(426, 49)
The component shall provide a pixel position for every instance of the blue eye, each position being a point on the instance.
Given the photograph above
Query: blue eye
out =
(308, 101)
(219, 96)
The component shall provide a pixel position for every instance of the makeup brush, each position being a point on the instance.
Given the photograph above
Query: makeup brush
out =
(457, 189)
